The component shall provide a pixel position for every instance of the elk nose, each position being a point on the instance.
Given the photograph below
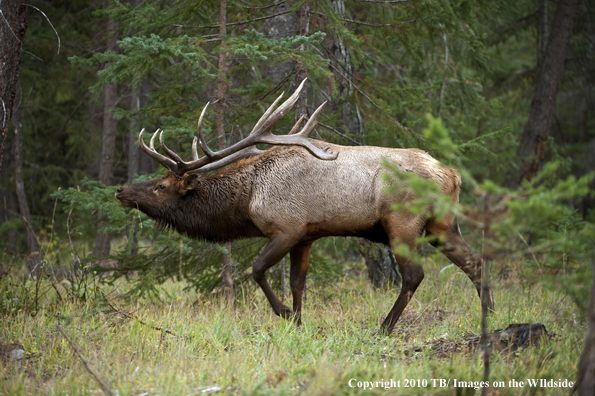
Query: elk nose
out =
(119, 190)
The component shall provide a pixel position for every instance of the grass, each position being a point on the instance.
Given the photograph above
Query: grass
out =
(249, 351)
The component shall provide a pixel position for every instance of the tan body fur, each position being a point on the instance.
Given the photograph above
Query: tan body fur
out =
(345, 196)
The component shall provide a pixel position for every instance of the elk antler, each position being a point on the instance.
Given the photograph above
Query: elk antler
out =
(261, 133)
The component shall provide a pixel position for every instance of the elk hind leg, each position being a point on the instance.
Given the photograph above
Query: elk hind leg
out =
(300, 260)
(451, 243)
(412, 274)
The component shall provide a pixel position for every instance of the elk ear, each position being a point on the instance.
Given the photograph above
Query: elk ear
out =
(189, 182)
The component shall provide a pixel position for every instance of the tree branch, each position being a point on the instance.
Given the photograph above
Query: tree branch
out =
(237, 23)
(101, 383)
(265, 7)
(131, 315)
(382, 2)
(366, 23)
(50, 22)
(330, 128)
(359, 90)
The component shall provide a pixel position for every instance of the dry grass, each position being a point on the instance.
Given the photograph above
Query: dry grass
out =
(211, 349)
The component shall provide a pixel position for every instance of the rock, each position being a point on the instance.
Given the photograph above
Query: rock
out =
(515, 336)
(12, 354)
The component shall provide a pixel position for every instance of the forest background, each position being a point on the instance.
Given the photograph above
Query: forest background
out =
(501, 90)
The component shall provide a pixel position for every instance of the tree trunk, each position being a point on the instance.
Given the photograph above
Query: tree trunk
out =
(134, 151)
(541, 113)
(585, 383)
(13, 26)
(136, 156)
(8, 202)
(303, 21)
(279, 27)
(108, 146)
(343, 70)
(9, 212)
(381, 263)
(32, 248)
(146, 165)
(133, 148)
(227, 273)
(542, 48)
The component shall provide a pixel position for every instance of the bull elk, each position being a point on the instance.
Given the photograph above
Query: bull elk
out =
(294, 193)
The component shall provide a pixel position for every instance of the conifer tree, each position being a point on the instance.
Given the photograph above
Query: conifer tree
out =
(546, 89)
(108, 140)
(31, 238)
(12, 34)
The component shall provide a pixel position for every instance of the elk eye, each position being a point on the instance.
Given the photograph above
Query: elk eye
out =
(160, 187)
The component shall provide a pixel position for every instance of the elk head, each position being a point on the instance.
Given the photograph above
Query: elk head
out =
(158, 192)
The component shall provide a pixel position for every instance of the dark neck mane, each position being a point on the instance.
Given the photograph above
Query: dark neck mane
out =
(216, 210)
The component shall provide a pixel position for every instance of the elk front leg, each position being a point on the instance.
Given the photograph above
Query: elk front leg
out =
(277, 247)
(456, 250)
(300, 260)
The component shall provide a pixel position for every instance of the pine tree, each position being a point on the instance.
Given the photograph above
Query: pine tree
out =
(12, 34)
(546, 89)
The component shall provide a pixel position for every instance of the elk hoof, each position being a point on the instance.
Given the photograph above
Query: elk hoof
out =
(381, 332)
(285, 313)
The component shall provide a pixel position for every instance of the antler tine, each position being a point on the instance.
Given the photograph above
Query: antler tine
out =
(266, 114)
(297, 125)
(163, 160)
(282, 110)
(309, 127)
(201, 139)
(168, 151)
(194, 151)
(175, 163)
(152, 141)
(301, 138)
(262, 133)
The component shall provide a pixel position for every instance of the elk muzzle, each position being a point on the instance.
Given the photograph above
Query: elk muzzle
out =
(124, 200)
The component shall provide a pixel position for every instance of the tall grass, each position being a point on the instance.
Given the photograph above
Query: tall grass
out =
(211, 348)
